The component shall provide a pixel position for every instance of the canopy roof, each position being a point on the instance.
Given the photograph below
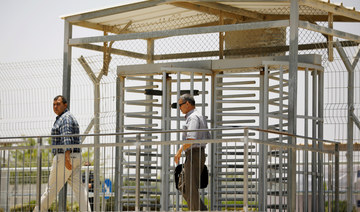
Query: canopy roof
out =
(156, 15)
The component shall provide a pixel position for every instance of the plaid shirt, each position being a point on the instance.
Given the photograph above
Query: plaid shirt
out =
(65, 124)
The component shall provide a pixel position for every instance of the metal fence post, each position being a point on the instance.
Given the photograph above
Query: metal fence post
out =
(38, 175)
(246, 134)
(119, 138)
(292, 177)
(337, 175)
(137, 191)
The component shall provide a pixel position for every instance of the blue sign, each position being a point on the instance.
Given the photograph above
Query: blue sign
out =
(107, 188)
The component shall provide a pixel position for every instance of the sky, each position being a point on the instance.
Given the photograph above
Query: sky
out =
(33, 29)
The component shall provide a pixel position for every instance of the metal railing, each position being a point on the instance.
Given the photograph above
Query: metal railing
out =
(136, 185)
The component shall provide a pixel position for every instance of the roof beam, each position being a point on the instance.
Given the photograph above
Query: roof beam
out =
(101, 27)
(178, 32)
(249, 51)
(203, 9)
(335, 9)
(232, 10)
(329, 31)
(113, 51)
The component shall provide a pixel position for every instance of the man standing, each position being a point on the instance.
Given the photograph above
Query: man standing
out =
(66, 165)
(189, 180)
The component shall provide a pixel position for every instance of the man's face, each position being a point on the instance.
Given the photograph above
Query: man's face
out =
(184, 106)
(58, 106)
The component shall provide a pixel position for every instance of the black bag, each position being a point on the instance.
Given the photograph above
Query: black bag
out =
(204, 178)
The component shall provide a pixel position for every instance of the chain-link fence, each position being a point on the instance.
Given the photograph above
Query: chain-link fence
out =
(27, 88)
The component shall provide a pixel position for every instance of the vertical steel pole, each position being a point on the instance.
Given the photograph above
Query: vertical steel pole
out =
(350, 138)
(67, 62)
(38, 175)
(192, 83)
(281, 110)
(246, 184)
(350, 126)
(221, 37)
(97, 149)
(148, 121)
(306, 153)
(203, 113)
(293, 56)
(119, 129)
(178, 89)
(8, 183)
(217, 135)
(2, 161)
(337, 176)
(137, 181)
(263, 148)
(314, 179)
(165, 151)
(212, 145)
(320, 136)
(66, 93)
(292, 178)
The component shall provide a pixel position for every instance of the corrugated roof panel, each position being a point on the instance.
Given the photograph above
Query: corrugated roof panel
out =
(138, 16)
(185, 19)
(257, 5)
(162, 16)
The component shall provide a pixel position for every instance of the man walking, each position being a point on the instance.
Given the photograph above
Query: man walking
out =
(189, 180)
(66, 165)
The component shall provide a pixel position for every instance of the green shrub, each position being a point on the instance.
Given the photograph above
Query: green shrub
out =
(31, 205)
(342, 206)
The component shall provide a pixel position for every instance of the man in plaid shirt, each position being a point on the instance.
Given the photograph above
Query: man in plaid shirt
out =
(66, 165)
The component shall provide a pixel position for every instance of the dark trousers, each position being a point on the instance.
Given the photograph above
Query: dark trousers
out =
(189, 181)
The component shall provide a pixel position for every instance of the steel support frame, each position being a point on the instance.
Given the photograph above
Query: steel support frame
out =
(179, 32)
(306, 153)
(148, 121)
(165, 151)
(38, 174)
(314, 162)
(292, 115)
(350, 125)
(294, 22)
(66, 92)
(120, 83)
(212, 150)
(263, 150)
(320, 135)
(215, 202)
(178, 126)
(96, 120)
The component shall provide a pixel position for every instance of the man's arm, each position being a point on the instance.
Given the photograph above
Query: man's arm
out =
(68, 160)
(182, 148)
(193, 124)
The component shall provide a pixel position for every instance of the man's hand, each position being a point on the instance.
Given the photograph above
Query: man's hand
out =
(178, 154)
(68, 160)
(186, 146)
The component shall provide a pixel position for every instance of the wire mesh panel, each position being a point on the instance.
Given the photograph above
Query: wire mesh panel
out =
(235, 97)
(25, 169)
